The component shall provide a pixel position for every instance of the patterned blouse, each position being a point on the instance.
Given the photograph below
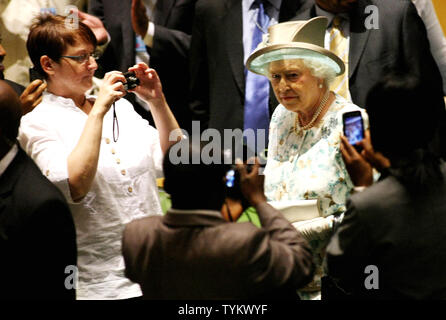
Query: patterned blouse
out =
(308, 164)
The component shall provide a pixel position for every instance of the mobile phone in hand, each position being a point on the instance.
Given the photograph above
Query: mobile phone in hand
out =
(353, 127)
(34, 75)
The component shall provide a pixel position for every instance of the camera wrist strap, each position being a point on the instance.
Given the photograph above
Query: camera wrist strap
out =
(115, 125)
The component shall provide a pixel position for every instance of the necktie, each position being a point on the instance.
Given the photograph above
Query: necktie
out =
(339, 46)
(256, 112)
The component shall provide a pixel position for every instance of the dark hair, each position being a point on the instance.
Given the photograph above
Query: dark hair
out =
(10, 112)
(193, 184)
(49, 35)
(404, 119)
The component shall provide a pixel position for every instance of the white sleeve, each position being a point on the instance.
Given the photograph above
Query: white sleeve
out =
(156, 151)
(43, 145)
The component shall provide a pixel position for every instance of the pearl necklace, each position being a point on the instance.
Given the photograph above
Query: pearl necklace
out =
(315, 116)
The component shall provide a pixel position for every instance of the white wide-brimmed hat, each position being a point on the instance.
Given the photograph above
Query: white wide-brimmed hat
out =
(294, 40)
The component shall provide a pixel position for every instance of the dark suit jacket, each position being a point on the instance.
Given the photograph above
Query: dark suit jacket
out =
(37, 235)
(402, 235)
(194, 256)
(169, 54)
(18, 88)
(217, 68)
(400, 43)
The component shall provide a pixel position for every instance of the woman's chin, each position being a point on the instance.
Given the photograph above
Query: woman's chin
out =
(87, 84)
(290, 106)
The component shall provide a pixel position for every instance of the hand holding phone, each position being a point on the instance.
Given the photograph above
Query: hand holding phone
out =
(32, 95)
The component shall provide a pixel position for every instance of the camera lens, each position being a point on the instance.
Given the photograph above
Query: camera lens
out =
(132, 81)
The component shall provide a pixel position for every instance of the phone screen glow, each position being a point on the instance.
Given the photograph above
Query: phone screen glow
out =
(354, 130)
(230, 177)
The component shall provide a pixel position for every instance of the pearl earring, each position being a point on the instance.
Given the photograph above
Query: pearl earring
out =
(320, 85)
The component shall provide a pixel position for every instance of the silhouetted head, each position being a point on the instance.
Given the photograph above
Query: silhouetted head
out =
(404, 121)
(403, 115)
(2, 57)
(190, 181)
(10, 115)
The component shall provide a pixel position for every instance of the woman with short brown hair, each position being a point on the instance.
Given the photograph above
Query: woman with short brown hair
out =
(105, 160)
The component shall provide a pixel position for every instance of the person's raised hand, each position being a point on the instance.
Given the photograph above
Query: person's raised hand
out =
(32, 95)
(251, 183)
(95, 24)
(358, 168)
(111, 89)
(376, 159)
(140, 21)
(150, 87)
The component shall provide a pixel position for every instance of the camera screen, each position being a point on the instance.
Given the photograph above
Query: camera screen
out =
(230, 178)
(353, 129)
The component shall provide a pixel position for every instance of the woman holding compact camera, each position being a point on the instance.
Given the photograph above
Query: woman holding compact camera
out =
(104, 160)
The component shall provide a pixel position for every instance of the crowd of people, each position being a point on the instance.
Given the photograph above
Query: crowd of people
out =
(119, 84)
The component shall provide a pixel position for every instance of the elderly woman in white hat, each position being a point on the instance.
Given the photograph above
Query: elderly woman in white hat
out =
(304, 158)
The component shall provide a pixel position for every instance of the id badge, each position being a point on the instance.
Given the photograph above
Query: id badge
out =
(48, 11)
(140, 46)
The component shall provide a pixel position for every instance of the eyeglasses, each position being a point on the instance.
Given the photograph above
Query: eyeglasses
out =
(83, 58)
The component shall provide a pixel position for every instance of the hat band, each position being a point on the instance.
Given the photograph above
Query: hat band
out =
(259, 60)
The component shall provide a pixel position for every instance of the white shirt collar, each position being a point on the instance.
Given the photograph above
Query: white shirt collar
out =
(275, 3)
(7, 159)
(62, 101)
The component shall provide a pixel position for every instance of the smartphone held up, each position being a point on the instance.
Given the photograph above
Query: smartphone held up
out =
(34, 75)
(353, 128)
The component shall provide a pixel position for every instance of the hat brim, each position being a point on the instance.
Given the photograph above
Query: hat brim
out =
(260, 59)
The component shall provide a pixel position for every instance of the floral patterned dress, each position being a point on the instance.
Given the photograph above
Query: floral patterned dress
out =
(308, 164)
